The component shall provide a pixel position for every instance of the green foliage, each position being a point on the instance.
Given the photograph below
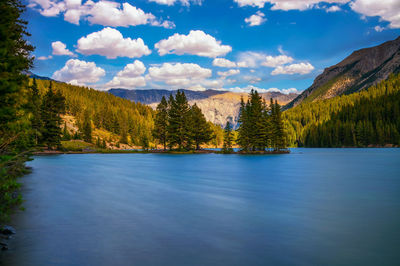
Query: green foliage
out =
(114, 114)
(228, 138)
(179, 125)
(199, 130)
(16, 136)
(260, 127)
(53, 105)
(161, 123)
(87, 128)
(369, 117)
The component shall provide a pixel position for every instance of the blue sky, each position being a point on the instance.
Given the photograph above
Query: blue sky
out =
(211, 44)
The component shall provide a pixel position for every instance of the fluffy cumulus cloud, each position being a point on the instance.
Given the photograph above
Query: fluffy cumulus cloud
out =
(111, 44)
(228, 73)
(300, 68)
(184, 75)
(106, 13)
(196, 43)
(222, 62)
(388, 10)
(60, 48)
(79, 72)
(256, 19)
(274, 61)
(172, 2)
(129, 77)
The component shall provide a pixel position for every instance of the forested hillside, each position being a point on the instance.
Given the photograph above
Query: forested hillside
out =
(367, 118)
(130, 120)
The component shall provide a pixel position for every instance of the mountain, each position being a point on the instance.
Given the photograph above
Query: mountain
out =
(154, 96)
(360, 70)
(34, 76)
(217, 106)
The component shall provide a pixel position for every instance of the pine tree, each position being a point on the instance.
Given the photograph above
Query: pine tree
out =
(198, 128)
(51, 109)
(15, 59)
(87, 128)
(36, 121)
(66, 135)
(279, 128)
(228, 138)
(161, 123)
(177, 122)
(244, 126)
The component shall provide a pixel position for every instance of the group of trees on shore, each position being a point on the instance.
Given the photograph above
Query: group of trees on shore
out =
(260, 125)
(367, 118)
(133, 122)
(177, 125)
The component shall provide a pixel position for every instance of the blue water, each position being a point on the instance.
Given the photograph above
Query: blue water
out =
(311, 207)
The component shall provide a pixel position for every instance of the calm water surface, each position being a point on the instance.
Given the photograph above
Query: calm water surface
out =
(311, 207)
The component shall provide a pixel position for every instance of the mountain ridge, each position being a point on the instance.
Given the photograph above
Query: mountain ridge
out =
(361, 69)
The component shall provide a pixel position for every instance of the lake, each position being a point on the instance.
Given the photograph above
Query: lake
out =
(310, 207)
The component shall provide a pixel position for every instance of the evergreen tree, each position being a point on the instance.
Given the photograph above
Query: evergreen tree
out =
(260, 127)
(36, 121)
(244, 126)
(15, 60)
(198, 128)
(228, 138)
(161, 123)
(178, 119)
(279, 134)
(66, 135)
(87, 128)
(51, 110)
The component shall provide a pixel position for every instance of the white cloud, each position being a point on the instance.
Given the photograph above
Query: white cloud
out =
(129, 77)
(256, 19)
(228, 73)
(79, 72)
(262, 90)
(106, 13)
(388, 10)
(333, 9)
(109, 14)
(274, 61)
(196, 42)
(44, 57)
(179, 74)
(379, 28)
(286, 4)
(172, 2)
(251, 59)
(300, 68)
(222, 62)
(111, 44)
(60, 48)
(257, 3)
(252, 79)
(290, 90)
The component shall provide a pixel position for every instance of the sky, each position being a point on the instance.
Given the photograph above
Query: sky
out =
(234, 45)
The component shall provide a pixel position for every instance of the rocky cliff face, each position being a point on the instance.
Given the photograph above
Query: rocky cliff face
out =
(360, 70)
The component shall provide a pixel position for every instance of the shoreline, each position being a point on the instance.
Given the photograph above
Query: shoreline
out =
(160, 152)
